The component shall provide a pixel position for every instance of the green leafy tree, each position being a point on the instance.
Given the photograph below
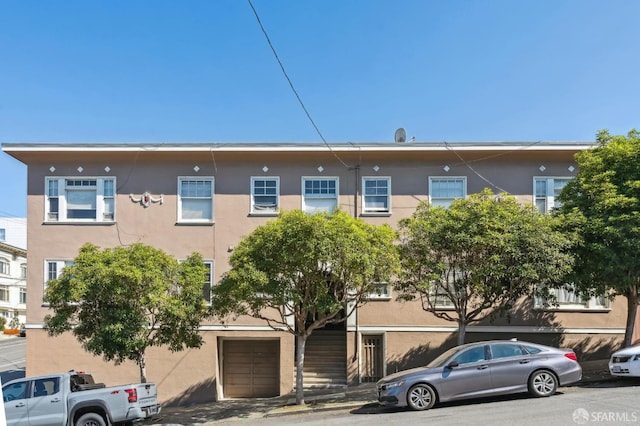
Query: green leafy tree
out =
(600, 209)
(301, 272)
(119, 301)
(478, 257)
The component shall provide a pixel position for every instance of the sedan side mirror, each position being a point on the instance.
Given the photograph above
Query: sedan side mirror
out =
(452, 364)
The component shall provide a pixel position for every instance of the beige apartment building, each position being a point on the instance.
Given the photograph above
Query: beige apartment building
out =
(205, 198)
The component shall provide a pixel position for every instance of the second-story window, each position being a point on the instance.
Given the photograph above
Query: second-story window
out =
(195, 199)
(546, 192)
(53, 269)
(207, 287)
(80, 199)
(4, 267)
(319, 194)
(443, 190)
(4, 293)
(3, 234)
(265, 194)
(376, 194)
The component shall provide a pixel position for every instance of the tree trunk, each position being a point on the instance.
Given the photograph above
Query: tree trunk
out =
(300, 344)
(632, 311)
(142, 364)
(462, 329)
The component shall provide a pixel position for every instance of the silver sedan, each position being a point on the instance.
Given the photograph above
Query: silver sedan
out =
(480, 369)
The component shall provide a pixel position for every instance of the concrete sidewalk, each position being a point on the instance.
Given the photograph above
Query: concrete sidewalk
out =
(351, 397)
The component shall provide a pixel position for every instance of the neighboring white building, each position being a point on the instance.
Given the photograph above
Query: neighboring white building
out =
(13, 283)
(13, 231)
(13, 268)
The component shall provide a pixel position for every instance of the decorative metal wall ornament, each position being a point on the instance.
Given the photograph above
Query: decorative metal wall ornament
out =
(146, 199)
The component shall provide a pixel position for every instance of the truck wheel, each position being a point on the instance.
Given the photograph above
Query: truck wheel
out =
(90, 419)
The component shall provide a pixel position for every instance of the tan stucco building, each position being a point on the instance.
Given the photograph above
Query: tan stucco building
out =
(185, 198)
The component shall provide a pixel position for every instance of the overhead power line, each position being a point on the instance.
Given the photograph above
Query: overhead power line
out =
(295, 92)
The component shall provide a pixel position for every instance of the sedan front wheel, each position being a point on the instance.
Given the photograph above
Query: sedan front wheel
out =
(421, 397)
(543, 383)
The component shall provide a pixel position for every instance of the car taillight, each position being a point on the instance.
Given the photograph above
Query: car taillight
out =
(571, 355)
(133, 395)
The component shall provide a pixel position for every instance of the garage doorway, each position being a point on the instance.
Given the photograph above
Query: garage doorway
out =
(250, 368)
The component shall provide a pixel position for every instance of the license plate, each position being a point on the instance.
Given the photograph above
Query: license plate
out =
(152, 410)
(616, 369)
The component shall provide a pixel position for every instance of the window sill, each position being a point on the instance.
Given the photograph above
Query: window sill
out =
(78, 222)
(375, 214)
(209, 223)
(269, 214)
(376, 298)
(598, 309)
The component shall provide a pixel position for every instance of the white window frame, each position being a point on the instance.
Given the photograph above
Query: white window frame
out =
(3, 234)
(380, 291)
(446, 201)
(255, 209)
(59, 184)
(327, 197)
(23, 296)
(367, 209)
(5, 293)
(547, 201)
(567, 300)
(60, 265)
(181, 198)
(442, 300)
(5, 266)
(209, 264)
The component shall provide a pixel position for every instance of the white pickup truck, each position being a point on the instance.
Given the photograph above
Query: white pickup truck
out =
(74, 399)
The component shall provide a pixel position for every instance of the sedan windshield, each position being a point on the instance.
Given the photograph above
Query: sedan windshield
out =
(444, 357)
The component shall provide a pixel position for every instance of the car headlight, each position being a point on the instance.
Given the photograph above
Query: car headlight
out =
(394, 384)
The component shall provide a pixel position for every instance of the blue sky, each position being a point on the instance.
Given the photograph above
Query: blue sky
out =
(202, 71)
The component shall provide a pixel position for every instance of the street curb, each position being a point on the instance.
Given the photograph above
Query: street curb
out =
(314, 408)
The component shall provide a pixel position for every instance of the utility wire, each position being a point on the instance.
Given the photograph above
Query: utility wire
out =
(466, 163)
(295, 92)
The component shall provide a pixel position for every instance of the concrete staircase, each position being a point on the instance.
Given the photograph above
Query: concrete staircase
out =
(325, 361)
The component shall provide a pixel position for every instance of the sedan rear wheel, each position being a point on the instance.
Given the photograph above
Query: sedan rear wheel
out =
(421, 397)
(543, 383)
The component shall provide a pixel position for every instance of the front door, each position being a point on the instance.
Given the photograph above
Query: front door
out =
(46, 405)
(14, 396)
(470, 378)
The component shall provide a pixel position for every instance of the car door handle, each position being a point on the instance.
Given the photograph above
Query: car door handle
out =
(525, 361)
(19, 405)
(55, 400)
(483, 367)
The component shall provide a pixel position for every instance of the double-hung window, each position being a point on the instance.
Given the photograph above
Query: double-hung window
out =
(443, 190)
(319, 194)
(4, 293)
(23, 296)
(207, 287)
(80, 199)
(195, 199)
(53, 269)
(265, 194)
(4, 267)
(381, 291)
(546, 190)
(3, 234)
(566, 298)
(376, 194)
